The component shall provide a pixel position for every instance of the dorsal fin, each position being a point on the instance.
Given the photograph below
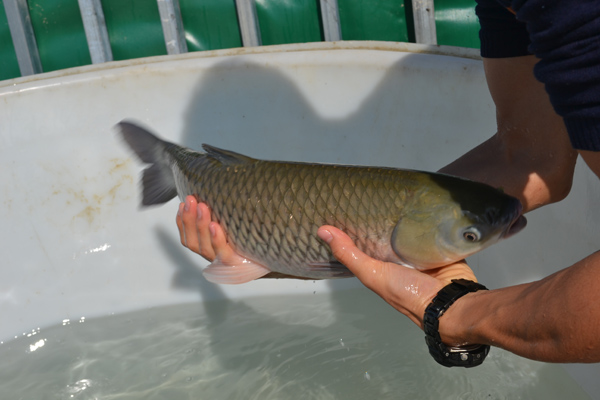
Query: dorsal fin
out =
(227, 157)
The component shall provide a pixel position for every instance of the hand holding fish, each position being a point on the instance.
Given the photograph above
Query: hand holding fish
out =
(199, 234)
(407, 290)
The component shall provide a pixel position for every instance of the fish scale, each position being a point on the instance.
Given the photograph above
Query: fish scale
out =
(291, 213)
(271, 210)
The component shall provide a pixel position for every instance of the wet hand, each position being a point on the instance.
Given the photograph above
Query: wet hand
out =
(201, 235)
(407, 290)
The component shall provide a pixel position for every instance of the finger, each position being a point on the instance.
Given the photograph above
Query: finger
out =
(369, 271)
(203, 220)
(223, 251)
(405, 289)
(179, 222)
(188, 222)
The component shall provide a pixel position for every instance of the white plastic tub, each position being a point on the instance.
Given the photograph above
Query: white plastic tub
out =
(75, 243)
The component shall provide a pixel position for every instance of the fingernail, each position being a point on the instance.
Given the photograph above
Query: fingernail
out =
(180, 209)
(213, 231)
(187, 204)
(199, 213)
(325, 235)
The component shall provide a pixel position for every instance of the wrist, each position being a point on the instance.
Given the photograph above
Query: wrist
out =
(464, 355)
(459, 324)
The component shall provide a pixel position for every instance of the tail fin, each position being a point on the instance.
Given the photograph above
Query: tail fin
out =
(158, 180)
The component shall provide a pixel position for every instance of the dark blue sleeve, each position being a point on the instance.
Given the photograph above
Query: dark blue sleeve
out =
(565, 36)
(501, 35)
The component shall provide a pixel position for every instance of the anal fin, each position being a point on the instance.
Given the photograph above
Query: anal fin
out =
(233, 274)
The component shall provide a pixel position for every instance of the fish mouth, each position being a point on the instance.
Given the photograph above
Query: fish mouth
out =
(517, 224)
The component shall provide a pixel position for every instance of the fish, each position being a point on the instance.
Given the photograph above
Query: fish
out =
(270, 211)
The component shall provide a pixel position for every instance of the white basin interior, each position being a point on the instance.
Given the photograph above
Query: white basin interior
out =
(76, 244)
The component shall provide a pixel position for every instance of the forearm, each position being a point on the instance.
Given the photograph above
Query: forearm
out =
(504, 166)
(530, 156)
(556, 319)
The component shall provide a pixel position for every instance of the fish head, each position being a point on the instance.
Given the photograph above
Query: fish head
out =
(453, 220)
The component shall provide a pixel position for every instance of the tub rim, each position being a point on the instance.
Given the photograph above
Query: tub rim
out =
(443, 50)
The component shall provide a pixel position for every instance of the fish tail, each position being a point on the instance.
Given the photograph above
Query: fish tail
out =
(158, 180)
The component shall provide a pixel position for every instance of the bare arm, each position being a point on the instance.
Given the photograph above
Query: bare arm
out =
(530, 156)
(556, 319)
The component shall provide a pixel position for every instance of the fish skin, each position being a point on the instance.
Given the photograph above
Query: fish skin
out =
(271, 210)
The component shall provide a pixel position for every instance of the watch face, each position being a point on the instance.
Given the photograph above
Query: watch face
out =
(466, 348)
(466, 358)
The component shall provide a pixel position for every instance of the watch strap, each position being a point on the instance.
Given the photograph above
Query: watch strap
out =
(464, 356)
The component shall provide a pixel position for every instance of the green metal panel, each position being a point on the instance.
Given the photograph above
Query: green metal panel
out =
(210, 24)
(134, 28)
(9, 67)
(59, 34)
(288, 21)
(456, 23)
(374, 20)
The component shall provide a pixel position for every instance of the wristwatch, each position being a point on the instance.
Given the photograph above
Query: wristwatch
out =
(464, 356)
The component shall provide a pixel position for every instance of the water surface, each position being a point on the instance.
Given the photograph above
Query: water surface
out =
(346, 345)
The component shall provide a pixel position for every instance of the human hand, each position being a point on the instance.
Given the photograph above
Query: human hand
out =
(407, 290)
(205, 237)
(201, 235)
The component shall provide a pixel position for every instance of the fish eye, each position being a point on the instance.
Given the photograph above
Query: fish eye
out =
(472, 235)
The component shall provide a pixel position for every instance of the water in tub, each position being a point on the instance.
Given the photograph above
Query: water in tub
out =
(342, 345)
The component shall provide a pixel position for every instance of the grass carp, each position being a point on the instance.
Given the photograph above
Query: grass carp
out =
(271, 210)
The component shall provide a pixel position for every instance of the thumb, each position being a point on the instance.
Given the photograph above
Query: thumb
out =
(368, 270)
(406, 289)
